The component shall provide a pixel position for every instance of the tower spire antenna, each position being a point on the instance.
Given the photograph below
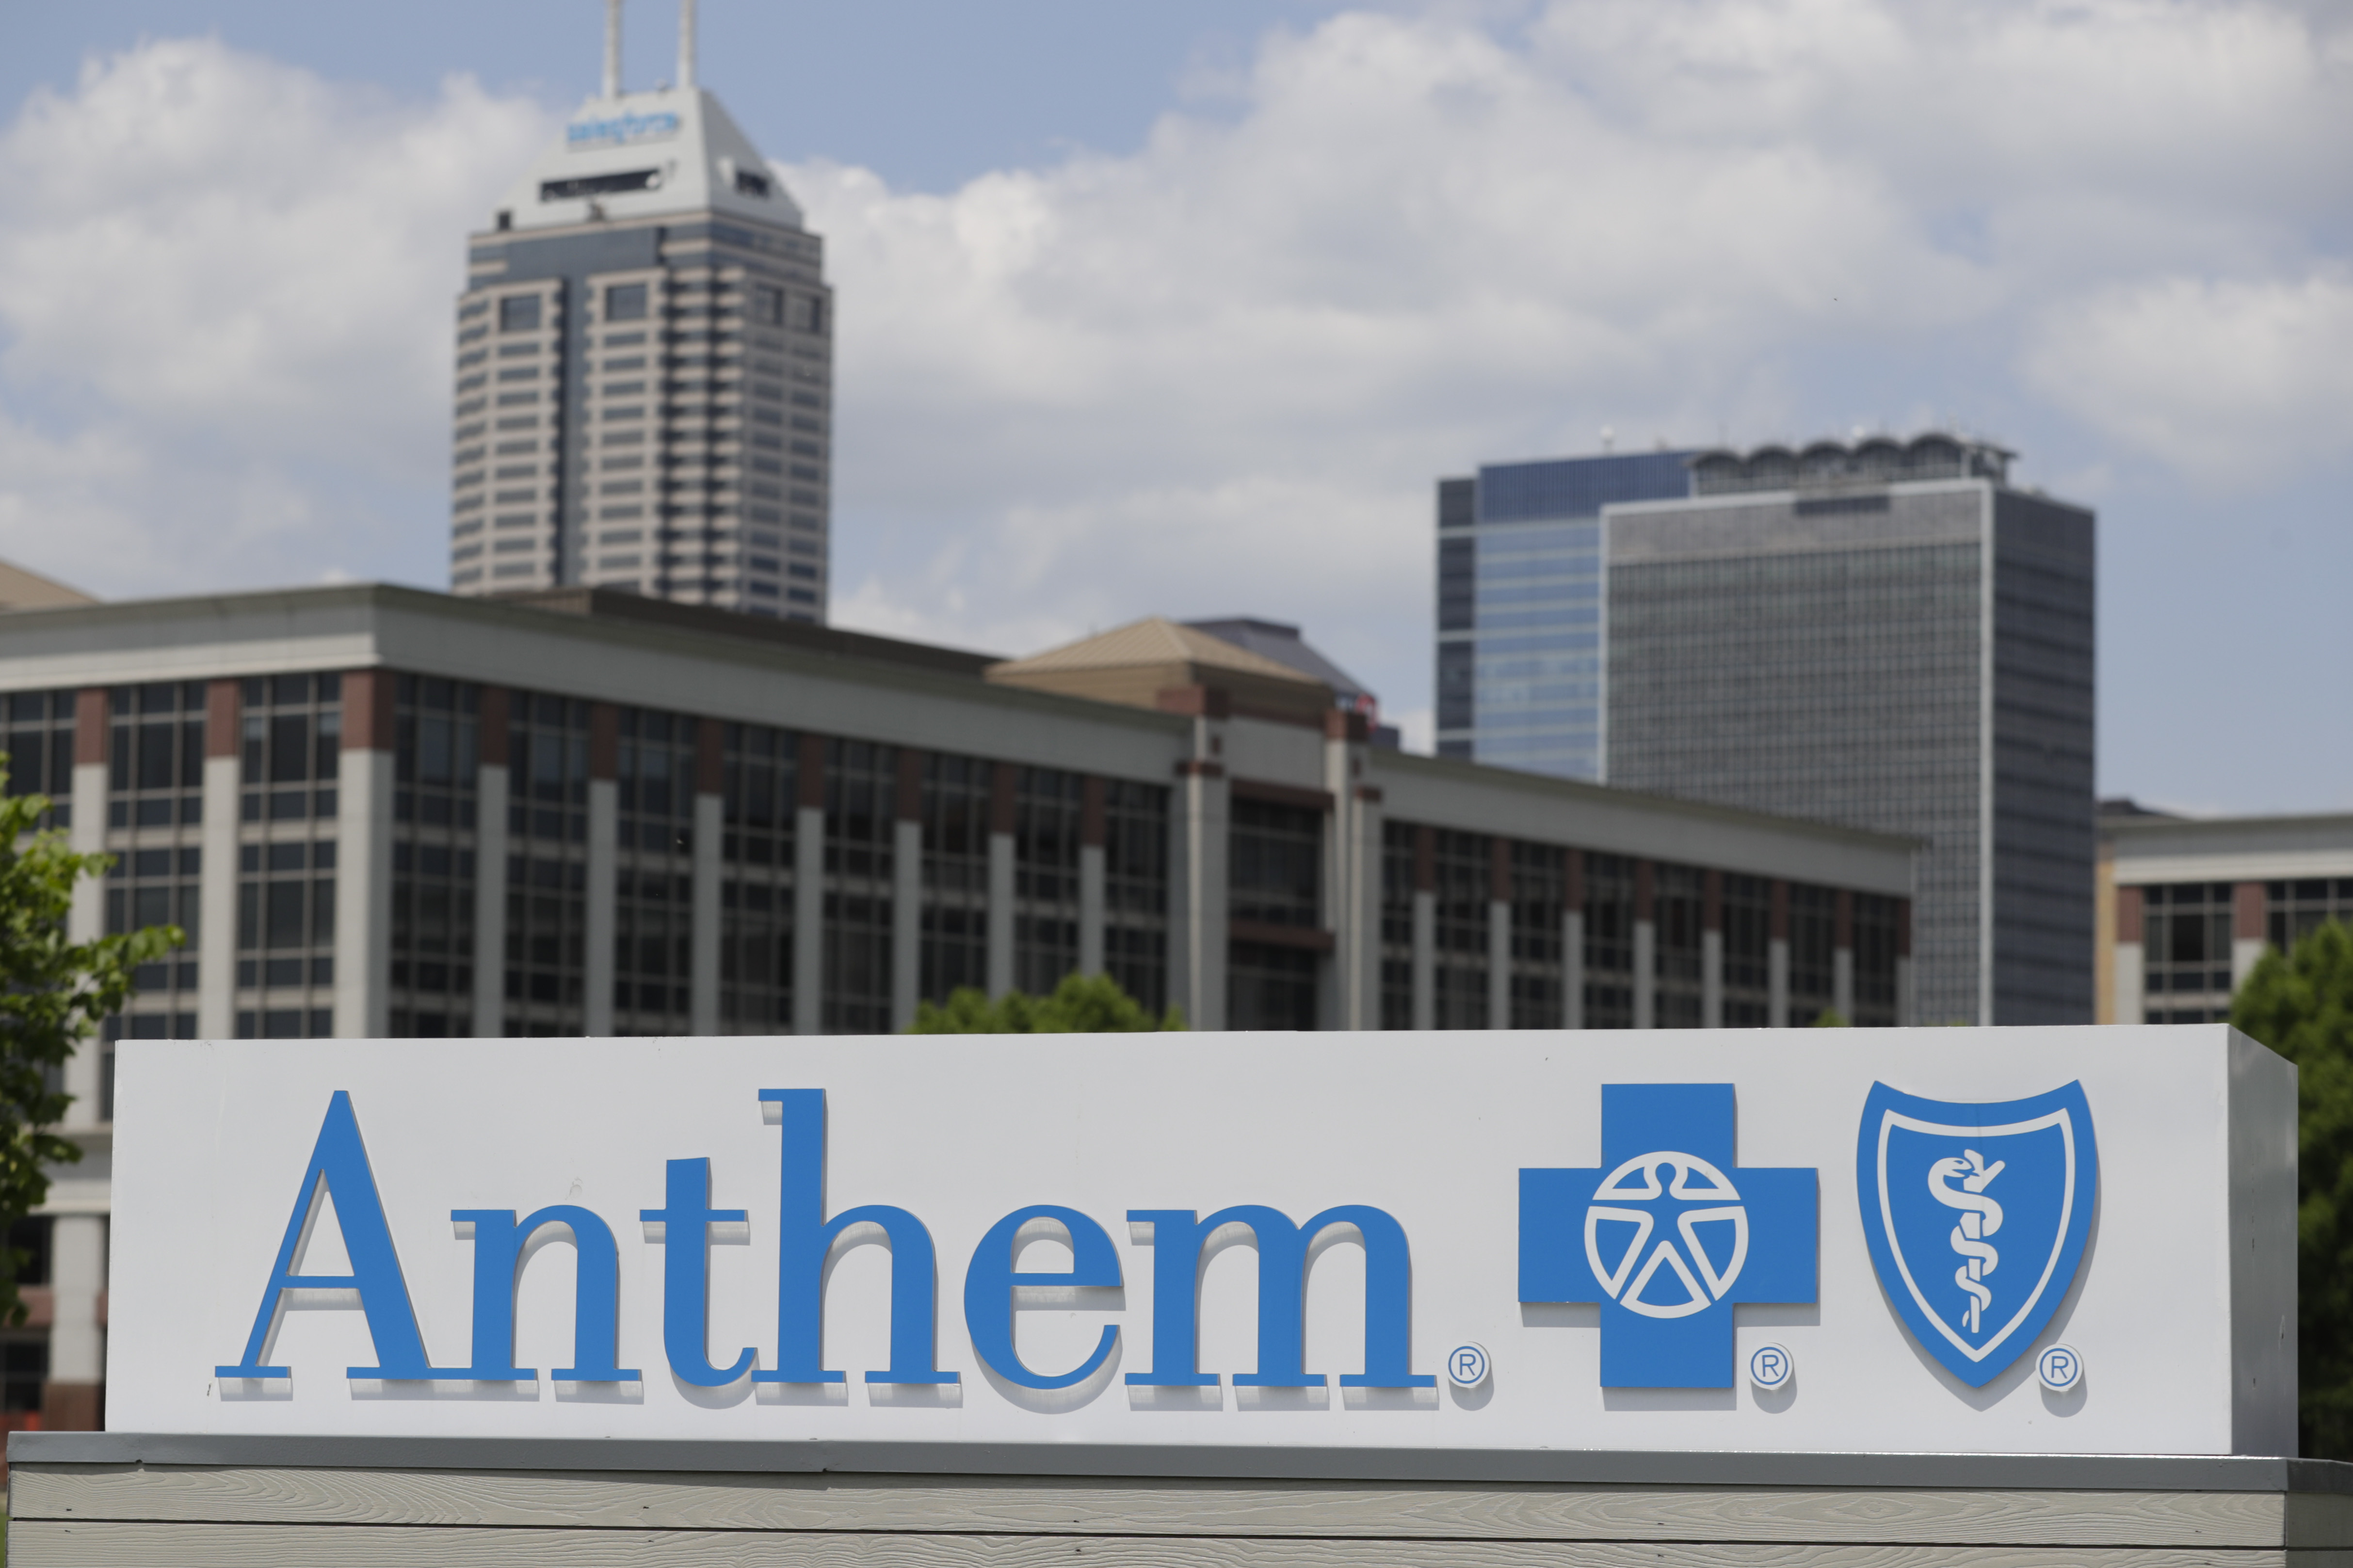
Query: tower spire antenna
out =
(685, 43)
(612, 49)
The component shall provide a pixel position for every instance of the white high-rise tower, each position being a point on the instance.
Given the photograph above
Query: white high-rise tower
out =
(645, 366)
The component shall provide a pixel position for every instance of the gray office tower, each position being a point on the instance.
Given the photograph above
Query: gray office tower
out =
(1884, 634)
(644, 373)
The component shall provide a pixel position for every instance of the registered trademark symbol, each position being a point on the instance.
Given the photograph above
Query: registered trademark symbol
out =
(1771, 1366)
(2060, 1368)
(1467, 1365)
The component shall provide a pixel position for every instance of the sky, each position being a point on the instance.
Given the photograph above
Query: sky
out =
(1182, 308)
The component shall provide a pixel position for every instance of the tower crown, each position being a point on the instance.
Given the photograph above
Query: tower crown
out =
(648, 154)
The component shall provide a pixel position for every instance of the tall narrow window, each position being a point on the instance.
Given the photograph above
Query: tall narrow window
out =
(761, 801)
(954, 924)
(1135, 890)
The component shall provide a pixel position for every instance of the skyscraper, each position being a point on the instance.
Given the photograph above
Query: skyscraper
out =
(1886, 634)
(644, 370)
(1520, 603)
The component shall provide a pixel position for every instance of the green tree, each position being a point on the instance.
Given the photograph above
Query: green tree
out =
(1831, 1018)
(2301, 1005)
(53, 994)
(1081, 1005)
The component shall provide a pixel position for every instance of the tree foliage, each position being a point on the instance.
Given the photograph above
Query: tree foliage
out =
(53, 994)
(2301, 1005)
(1081, 1005)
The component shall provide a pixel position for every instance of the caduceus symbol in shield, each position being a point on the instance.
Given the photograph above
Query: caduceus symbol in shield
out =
(1980, 1216)
(2050, 1169)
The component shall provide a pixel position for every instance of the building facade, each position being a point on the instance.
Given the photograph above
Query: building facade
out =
(381, 812)
(644, 380)
(1521, 590)
(1885, 634)
(1888, 635)
(2186, 905)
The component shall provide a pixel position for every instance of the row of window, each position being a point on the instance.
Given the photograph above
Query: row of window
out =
(1465, 888)
(764, 303)
(2187, 930)
(657, 758)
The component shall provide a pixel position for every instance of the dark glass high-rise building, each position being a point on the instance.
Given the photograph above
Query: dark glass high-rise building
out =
(1520, 596)
(645, 369)
(1886, 634)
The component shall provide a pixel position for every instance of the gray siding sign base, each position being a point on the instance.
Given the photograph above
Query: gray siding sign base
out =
(128, 1498)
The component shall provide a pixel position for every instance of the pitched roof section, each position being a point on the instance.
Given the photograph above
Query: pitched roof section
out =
(24, 590)
(1280, 642)
(1157, 663)
(1154, 640)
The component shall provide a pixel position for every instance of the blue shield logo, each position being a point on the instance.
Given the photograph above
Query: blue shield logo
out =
(1977, 1217)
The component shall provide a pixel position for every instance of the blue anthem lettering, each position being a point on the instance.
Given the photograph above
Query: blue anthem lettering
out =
(809, 1240)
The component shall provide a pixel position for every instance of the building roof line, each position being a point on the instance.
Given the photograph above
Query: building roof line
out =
(649, 634)
(1619, 795)
(2138, 826)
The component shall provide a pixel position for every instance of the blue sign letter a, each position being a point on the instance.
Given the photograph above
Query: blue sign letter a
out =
(1668, 1235)
(339, 1170)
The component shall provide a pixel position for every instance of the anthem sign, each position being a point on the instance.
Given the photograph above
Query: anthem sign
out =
(1999, 1240)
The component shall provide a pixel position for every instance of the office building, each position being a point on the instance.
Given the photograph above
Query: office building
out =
(2188, 905)
(644, 370)
(1520, 591)
(1887, 635)
(379, 811)
(1884, 634)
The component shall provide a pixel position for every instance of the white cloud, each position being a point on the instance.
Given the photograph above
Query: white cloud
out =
(224, 288)
(2225, 379)
(1221, 372)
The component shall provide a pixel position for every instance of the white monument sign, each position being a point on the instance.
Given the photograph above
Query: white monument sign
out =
(2039, 1240)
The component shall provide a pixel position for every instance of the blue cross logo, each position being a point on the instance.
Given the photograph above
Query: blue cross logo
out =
(1668, 1235)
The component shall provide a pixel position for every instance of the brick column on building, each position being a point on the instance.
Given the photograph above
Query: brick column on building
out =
(2249, 905)
(710, 832)
(1711, 950)
(604, 864)
(493, 794)
(1572, 940)
(907, 890)
(808, 891)
(1093, 830)
(1776, 957)
(2129, 997)
(1002, 815)
(1646, 948)
(364, 857)
(86, 916)
(1842, 957)
(71, 1400)
(1359, 936)
(1352, 877)
(1499, 933)
(86, 908)
(1198, 914)
(1425, 928)
(216, 890)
